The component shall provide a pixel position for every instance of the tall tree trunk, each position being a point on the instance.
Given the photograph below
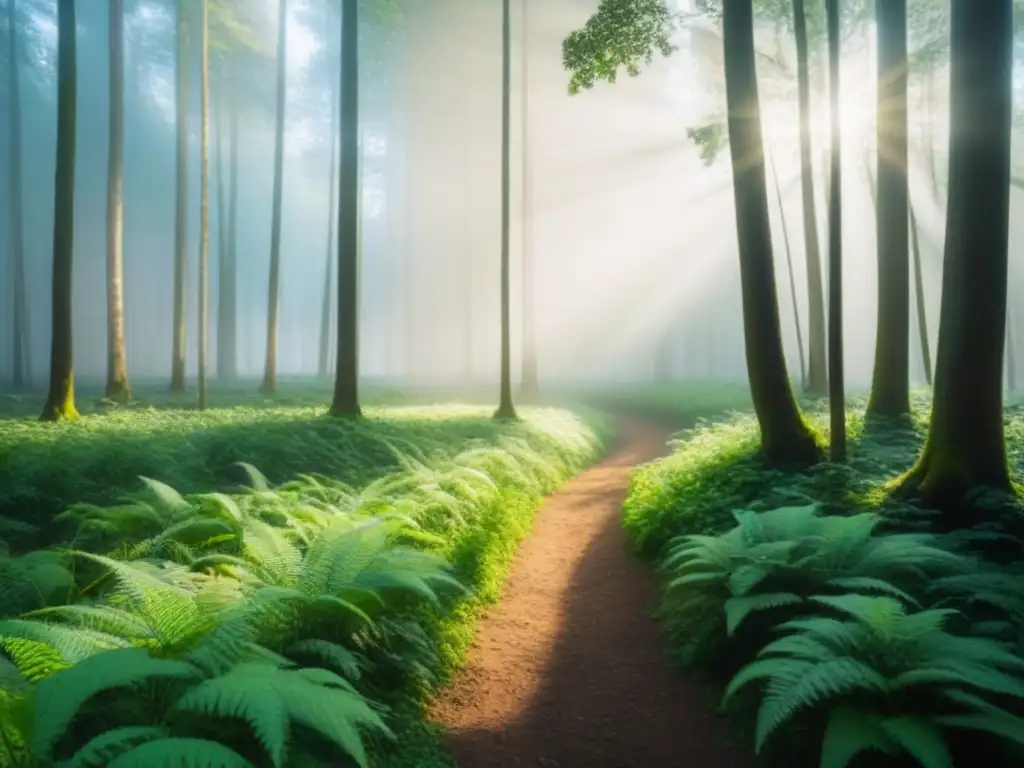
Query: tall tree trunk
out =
(966, 446)
(60, 402)
(21, 372)
(929, 132)
(529, 373)
(890, 385)
(181, 204)
(204, 204)
(817, 378)
(1011, 354)
(323, 368)
(922, 313)
(274, 288)
(785, 437)
(219, 117)
(117, 368)
(346, 374)
(506, 410)
(229, 315)
(792, 279)
(836, 388)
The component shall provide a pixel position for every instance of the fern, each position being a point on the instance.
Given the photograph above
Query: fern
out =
(893, 680)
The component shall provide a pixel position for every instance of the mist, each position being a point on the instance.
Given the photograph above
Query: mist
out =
(629, 231)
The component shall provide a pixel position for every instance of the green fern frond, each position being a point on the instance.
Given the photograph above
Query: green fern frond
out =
(180, 753)
(919, 737)
(59, 696)
(100, 750)
(268, 698)
(738, 608)
(850, 732)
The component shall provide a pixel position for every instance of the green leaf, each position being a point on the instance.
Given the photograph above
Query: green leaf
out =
(850, 732)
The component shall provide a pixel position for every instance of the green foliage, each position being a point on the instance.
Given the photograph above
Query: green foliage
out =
(867, 635)
(622, 34)
(289, 625)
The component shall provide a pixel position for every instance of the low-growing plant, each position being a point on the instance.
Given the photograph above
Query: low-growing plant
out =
(889, 680)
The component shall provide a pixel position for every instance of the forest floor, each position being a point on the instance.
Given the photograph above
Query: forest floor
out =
(569, 668)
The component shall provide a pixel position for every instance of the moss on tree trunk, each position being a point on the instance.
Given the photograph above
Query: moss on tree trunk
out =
(785, 437)
(966, 446)
(60, 402)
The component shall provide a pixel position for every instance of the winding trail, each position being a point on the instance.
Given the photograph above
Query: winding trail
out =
(569, 670)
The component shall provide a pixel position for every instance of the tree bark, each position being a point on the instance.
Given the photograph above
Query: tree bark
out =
(817, 378)
(966, 446)
(21, 373)
(890, 385)
(117, 369)
(60, 402)
(346, 375)
(836, 379)
(181, 205)
(274, 288)
(204, 206)
(323, 368)
(506, 410)
(785, 437)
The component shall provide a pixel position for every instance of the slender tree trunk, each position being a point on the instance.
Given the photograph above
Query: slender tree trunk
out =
(792, 279)
(1011, 354)
(922, 313)
(230, 293)
(817, 378)
(60, 402)
(785, 437)
(21, 372)
(117, 369)
(219, 116)
(836, 393)
(529, 373)
(966, 446)
(346, 374)
(506, 410)
(204, 206)
(929, 133)
(181, 205)
(274, 289)
(890, 385)
(323, 369)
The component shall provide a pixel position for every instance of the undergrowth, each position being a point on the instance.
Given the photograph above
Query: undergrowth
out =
(845, 631)
(302, 623)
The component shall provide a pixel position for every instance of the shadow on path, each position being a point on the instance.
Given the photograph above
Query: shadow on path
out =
(569, 670)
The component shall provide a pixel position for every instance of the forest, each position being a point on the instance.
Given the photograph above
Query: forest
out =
(465, 383)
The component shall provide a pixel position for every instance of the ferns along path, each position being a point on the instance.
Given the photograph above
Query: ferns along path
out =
(569, 669)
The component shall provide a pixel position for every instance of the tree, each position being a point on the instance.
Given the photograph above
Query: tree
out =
(625, 33)
(890, 385)
(204, 204)
(274, 288)
(117, 369)
(22, 370)
(817, 380)
(346, 375)
(529, 382)
(506, 410)
(966, 446)
(789, 270)
(325, 306)
(836, 384)
(60, 402)
(180, 203)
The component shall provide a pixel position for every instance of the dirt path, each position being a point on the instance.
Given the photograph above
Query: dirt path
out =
(568, 670)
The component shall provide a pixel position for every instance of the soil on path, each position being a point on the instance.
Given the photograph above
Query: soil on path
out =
(569, 670)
